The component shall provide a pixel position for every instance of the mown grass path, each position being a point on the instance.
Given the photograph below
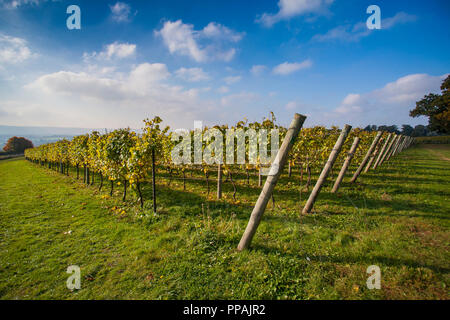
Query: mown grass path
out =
(396, 218)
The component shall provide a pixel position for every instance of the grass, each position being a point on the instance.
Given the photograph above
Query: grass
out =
(396, 218)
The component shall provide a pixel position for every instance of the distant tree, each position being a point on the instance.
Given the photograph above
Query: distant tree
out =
(393, 129)
(17, 145)
(407, 130)
(437, 108)
(371, 128)
(420, 131)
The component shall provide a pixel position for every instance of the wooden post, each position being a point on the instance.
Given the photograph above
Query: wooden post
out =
(366, 158)
(344, 168)
(259, 177)
(397, 145)
(382, 151)
(271, 181)
(326, 169)
(219, 181)
(411, 139)
(393, 147)
(402, 147)
(405, 145)
(373, 155)
(154, 180)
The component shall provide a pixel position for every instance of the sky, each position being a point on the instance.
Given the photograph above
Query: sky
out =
(219, 61)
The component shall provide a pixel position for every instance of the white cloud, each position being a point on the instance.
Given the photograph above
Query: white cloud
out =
(114, 50)
(345, 33)
(192, 74)
(18, 3)
(232, 79)
(120, 50)
(258, 69)
(390, 103)
(288, 68)
(81, 84)
(353, 33)
(120, 12)
(141, 80)
(238, 99)
(218, 31)
(399, 18)
(113, 99)
(13, 50)
(291, 8)
(292, 105)
(223, 89)
(351, 103)
(210, 43)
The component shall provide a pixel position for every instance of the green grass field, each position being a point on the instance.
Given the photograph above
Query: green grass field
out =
(396, 218)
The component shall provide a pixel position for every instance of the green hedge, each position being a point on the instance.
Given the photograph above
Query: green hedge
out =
(432, 140)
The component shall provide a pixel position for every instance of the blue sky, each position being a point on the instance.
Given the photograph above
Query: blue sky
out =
(219, 61)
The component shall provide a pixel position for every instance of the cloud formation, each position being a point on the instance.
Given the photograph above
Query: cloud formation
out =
(354, 33)
(113, 99)
(210, 43)
(192, 74)
(13, 50)
(393, 101)
(288, 68)
(257, 70)
(292, 8)
(232, 79)
(121, 12)
(13, 4)
(114, 50)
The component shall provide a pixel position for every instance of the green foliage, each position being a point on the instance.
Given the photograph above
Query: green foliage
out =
(432, 140)
(437, 108)
(17, 145)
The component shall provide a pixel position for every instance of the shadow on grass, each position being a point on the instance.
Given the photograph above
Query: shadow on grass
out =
(377, 259)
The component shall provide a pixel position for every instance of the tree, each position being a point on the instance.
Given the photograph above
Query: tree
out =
(370, 128)
(437, 108)
(407, 130)
(420, 131)
(17, 145)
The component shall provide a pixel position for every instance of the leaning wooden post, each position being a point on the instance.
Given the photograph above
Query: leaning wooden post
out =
(402, 147)
(219, 181)
(411, 139)
(382, 151)
(326, 169)
(397, 146)
(393, 147)
(405, 146)
(372, 156)
(259, 177)
(388, 149)
(366, 158)
(271, 181)
(344, 168)
(153, 181)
